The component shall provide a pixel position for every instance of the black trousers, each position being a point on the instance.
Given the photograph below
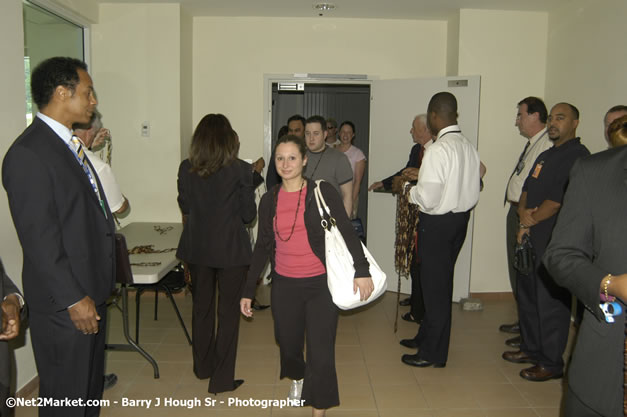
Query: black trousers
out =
(214, 351)
(440, 238)
(417, 303)
(544, 315)
(511, 233)
(69, 363)
(302, 308)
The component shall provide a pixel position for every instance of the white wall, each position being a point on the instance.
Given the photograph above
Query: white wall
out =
(231, 56)
(508, 50)
(586, 62)
(452, 45)
(13, 122)
(136, 67)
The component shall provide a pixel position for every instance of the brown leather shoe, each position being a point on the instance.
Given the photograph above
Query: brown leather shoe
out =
(517, 357)
(514, 342)
(539, 373)
(510, 328)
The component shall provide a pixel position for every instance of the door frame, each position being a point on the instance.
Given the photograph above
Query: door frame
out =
(269, 79)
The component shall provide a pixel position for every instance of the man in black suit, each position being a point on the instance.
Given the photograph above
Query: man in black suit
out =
(11, 303)
(587, 255)
(421, 137)
(66, 231)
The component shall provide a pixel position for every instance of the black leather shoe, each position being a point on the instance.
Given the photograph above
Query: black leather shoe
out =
(513, 328)
(517, 357)
(409, 343)
(414, 360)
(236, 384)
(539, 373)
(110, 380)
(404, 302)
(409, 317)
(514, 342)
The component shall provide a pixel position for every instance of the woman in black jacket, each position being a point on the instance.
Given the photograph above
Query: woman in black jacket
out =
(291, 237)
(216, 197)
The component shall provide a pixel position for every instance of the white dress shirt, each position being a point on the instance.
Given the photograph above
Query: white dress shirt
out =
(539, 143)
(62, 131)
(448, 180)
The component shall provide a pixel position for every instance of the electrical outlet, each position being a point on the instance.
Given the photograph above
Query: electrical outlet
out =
(145, 129)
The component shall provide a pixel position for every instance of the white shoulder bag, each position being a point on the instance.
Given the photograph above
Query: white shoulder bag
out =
(340, 268)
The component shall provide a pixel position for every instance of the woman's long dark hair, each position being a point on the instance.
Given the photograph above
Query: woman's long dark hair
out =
(214, 145)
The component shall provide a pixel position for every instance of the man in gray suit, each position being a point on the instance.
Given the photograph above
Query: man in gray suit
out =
(10, 319)
(587, 255)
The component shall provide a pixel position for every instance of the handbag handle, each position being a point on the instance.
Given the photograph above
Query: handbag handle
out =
(322, 207)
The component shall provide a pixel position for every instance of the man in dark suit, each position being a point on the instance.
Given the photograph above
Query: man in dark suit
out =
(11, 304)
(587, 255)
(421, 137)
(66, 231)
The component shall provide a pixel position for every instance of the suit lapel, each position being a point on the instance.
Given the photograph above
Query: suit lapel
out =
(68, 158)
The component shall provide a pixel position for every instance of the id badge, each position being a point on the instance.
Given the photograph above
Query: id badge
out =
(537, 169)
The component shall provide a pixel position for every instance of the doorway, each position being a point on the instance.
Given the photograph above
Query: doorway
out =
(341, 101)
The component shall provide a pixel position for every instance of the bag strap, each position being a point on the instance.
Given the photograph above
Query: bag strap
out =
(322, 207)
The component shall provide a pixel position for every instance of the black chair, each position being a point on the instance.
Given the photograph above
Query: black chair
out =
(167, 285)
(124, 277)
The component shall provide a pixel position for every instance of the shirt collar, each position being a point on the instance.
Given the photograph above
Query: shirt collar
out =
(537, 136)
(62, 131)
(429, 143)
(447, 129)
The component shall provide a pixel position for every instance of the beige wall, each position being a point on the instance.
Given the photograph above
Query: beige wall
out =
(136, 67)
(231, 56)
(86, 9)
(187, 88)
(452, 45)
(586, 62)
(508, 50)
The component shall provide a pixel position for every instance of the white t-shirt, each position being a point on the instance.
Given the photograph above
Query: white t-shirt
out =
(107, 179)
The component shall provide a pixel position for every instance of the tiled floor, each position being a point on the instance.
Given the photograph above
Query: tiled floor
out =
(373, 382)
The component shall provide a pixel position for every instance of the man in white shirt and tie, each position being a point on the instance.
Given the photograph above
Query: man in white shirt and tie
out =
(531, 122)
(447, 189)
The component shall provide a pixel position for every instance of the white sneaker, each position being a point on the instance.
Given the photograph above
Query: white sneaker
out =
(295, 390)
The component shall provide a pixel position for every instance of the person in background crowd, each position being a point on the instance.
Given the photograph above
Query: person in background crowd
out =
(356, 158)
(12, 313)
(326, 163)
(332, 139)
(531, 123)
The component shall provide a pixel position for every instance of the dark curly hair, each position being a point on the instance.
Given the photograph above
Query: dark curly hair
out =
(50, 74)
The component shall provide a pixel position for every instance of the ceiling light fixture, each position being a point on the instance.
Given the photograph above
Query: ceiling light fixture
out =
(324, 7)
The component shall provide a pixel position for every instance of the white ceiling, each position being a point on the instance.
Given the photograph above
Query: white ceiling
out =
(380, 9)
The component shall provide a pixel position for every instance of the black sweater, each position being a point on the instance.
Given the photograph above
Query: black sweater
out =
(265, 244)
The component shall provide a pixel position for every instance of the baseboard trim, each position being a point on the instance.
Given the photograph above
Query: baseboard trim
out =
(493, 296)
(28, 389)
